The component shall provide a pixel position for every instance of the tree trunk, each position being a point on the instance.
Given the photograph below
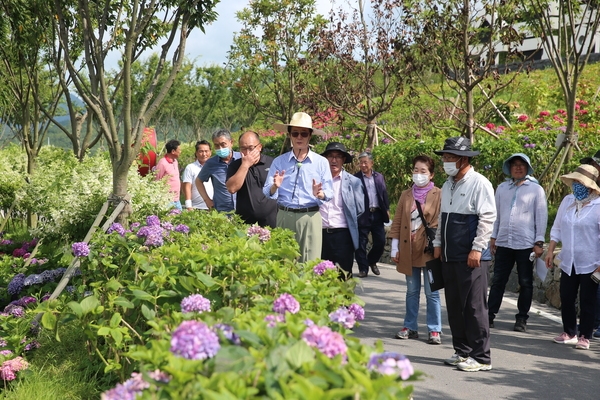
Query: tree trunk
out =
(120, 184)
(370, 133)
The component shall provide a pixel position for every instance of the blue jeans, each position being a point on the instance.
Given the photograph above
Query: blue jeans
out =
(177, 205)
(413, 296)
(503, 266)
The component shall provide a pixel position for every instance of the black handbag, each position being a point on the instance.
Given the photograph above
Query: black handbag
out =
(430, 232)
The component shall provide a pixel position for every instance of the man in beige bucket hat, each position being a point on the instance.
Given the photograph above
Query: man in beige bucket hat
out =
(300, 180)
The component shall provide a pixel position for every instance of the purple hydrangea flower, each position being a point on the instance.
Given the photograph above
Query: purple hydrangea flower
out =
(286, 302)
(116, 227)
(23, 301)
(167, 226)
(181, 228)
(3, 342)
(343, 316)
(323, 266)
(45, 297)
(195, 303)
(6, 353)
(20, 252)
(227, 331)
(134, 386)
(175, 211)
(389, 363)
(34, 344)
(325, 340)
(134, 225)
(6, 242)
(194, 340)
(274, 319)
(16, 284)
(309, 322)
(80, 249)
(152, 220)
(262, 233)
(15, 311)
(153, 235)
(358, 311)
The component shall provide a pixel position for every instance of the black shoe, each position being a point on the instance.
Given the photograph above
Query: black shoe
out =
(520, 325)
(375, 269)
(491, 323)
(362, 274)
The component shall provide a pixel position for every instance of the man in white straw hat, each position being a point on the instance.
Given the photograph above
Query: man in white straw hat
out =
(577, 227)
(300, 180)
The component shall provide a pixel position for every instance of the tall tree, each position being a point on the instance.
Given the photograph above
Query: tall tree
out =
(270, 50)
(461, 39)
(359, 61)
(568, 31)
(89, 31)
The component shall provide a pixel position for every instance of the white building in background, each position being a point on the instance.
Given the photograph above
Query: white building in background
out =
(532, 47)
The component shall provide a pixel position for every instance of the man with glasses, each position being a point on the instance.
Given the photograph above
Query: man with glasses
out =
(467, 216)
(340, 214)
(376, 214)
(300, 181)
(215, 168)
(519, 230)
(246, 176)
(193, 200)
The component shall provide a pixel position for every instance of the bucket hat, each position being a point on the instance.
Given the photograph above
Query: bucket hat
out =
(300, 120)
(459, 146)
(506, 164)
(590, 160)
(586, 174)
(336, 146)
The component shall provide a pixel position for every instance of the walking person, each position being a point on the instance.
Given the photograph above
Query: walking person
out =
(467, 216)
(577, 227)
(300, 180)
(377, 213)
(409, 242)
(519, 230)
(340, 214)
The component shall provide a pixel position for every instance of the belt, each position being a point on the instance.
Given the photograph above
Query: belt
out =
(373, 209)
(299, 210)
(334, 230)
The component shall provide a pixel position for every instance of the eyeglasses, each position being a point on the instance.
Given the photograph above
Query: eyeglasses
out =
(249, 148)
(304, 134)
(334, 156)
(450, 158)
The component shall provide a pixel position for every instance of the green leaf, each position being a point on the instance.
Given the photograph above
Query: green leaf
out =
(113, 285)
(76, 308)
(49, 320)
(115, 320)
(168, 293)
(140, 294)
(299, 354)
(104, 331)
(207, 280)
(117, 336)
(89, 304)
(123, 302)
(147, 312)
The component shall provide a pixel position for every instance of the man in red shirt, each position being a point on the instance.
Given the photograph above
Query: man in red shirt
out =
(169, 168)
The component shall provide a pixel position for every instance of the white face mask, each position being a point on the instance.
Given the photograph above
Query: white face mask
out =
(450, 168)
(420, 179)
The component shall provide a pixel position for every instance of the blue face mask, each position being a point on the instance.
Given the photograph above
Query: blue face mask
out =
(223, 153)
(579, 191)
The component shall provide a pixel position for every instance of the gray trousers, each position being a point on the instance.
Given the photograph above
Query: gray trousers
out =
(308, 228)
(466, 301)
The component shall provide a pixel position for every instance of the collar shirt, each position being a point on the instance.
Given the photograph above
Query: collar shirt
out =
(332, 211)
(522, 215)
(371, 190)
(189, 176)
(296, 189)
(579, 233)
(170, 169)
(216, 169)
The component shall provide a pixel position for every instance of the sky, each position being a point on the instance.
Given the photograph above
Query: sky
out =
(212, 46)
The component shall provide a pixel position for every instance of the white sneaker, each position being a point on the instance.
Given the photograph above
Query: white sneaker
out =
(454, 360)
(470, 365)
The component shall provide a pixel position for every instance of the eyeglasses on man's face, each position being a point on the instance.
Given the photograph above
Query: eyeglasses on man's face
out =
(450, 157)
(249, 148)
(304, 134)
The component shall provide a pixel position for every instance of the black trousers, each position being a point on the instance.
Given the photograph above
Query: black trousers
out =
(338, 248)
(569, 285)
(466, 301)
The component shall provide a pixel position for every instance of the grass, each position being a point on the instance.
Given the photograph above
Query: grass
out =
(60, 370)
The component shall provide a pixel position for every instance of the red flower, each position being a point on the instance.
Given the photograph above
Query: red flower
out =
(490, 126)
(544, 113)
(522, 118)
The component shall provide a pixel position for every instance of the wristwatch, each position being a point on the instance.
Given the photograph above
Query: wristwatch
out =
(539, 244)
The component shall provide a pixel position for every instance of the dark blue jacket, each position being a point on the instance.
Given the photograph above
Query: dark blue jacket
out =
(382, 198)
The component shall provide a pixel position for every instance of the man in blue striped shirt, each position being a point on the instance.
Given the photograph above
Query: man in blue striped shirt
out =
(519, 230)
(300, 180)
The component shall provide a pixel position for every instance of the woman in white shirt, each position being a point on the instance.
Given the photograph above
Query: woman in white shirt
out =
(577, 226)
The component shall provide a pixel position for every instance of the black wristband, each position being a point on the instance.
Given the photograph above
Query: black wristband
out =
(539, 244)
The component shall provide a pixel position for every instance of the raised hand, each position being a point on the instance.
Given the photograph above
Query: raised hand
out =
(278, 178)
(318, 189)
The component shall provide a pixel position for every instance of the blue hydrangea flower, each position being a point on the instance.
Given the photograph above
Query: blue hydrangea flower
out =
(286, 302)
(181, 228)
(80, 249)
(195, 303)
(194, 340)
(16, 284)
(343, 316)
(389, 363)
(152, 220)
(116, 227)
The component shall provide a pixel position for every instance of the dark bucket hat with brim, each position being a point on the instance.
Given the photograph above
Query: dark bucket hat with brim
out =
(459, 146)
(336, 146)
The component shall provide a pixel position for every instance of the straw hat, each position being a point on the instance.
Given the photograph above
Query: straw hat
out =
(300, 120)
(586, 174)
(459, 146)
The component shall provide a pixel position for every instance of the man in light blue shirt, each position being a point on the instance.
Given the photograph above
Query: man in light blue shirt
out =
(215, 168)
(300, 180)
(519, 230)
